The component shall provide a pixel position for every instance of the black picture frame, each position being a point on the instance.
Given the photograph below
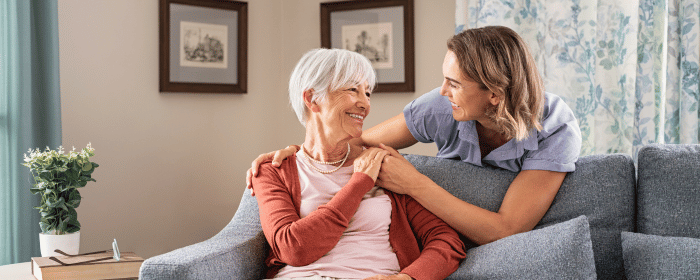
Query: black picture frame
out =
(346, 24)
(203, 46)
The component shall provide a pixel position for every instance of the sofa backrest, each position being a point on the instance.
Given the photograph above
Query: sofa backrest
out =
(602, 188)
(668, 190)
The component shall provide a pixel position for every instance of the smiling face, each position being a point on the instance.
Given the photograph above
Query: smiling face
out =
(342, 115)
(470, 100)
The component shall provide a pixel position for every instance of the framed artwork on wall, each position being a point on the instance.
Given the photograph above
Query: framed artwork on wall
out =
(203, 46)
(381, 30)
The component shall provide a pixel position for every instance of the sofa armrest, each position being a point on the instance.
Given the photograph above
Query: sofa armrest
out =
(237, 252)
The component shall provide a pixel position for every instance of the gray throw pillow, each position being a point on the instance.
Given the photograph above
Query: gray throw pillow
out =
(660, 257)
(560, 251)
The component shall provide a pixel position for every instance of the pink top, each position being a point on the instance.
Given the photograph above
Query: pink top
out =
(425, 246)
(363, 249)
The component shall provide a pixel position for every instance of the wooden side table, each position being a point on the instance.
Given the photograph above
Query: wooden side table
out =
(18, 271)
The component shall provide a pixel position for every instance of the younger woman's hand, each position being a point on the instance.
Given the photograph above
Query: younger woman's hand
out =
(370, 161)
(277, 157)
(397, 174)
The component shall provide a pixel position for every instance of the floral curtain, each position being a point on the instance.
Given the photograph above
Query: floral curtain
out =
(627, 68)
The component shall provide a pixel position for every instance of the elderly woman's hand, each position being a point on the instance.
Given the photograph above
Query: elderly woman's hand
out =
(370, 161)
(398, 175)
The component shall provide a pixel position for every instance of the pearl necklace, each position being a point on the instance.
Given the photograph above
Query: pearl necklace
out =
(309, 159)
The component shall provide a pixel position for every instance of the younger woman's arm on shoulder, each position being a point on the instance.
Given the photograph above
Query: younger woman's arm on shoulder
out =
(392, 132)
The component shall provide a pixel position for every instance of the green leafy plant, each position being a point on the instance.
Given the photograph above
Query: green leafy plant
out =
(57, 177)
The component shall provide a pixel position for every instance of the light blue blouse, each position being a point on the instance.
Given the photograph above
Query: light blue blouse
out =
(556, 147)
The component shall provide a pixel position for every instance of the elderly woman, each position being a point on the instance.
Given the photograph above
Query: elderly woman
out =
(320, 210)
(491, 110)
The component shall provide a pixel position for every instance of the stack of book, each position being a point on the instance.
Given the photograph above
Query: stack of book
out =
(87, 266)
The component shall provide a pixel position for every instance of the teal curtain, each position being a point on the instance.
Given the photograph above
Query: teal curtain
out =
(29, 116)
(628, 68)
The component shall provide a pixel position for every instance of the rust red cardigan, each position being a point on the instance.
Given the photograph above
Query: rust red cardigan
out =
(426, 247)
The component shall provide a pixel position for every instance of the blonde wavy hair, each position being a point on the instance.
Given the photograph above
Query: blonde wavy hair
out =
(499, 59)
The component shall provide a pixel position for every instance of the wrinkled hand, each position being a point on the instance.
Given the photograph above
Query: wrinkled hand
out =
(277, 158)
(397, 174)
(370, 161)
(399, 276)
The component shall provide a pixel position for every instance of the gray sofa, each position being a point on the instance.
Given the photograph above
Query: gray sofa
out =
(610, 220)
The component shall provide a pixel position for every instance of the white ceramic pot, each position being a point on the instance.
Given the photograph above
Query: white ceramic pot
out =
(68, 243)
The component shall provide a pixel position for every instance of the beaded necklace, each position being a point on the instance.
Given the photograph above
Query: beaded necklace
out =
(310, 159)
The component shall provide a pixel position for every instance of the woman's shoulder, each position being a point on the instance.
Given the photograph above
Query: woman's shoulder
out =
(559, 142)
(286, 176)
(427, 113)
(556, 113)
(287, 165)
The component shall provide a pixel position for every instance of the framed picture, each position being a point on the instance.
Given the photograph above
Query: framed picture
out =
(203, 46)
(382, 30)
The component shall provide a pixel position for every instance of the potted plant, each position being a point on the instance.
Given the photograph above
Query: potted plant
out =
(57, 177)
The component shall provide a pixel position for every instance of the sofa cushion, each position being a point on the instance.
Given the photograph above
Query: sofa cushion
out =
(561, 251)
(668, 190)
(660, 257)
(601, 188)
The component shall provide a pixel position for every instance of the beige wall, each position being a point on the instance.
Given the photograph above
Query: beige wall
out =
(172, 166)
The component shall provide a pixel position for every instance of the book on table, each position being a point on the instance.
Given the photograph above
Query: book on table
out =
(87, 266)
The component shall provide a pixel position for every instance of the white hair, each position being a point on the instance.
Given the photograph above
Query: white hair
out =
(324, 71)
